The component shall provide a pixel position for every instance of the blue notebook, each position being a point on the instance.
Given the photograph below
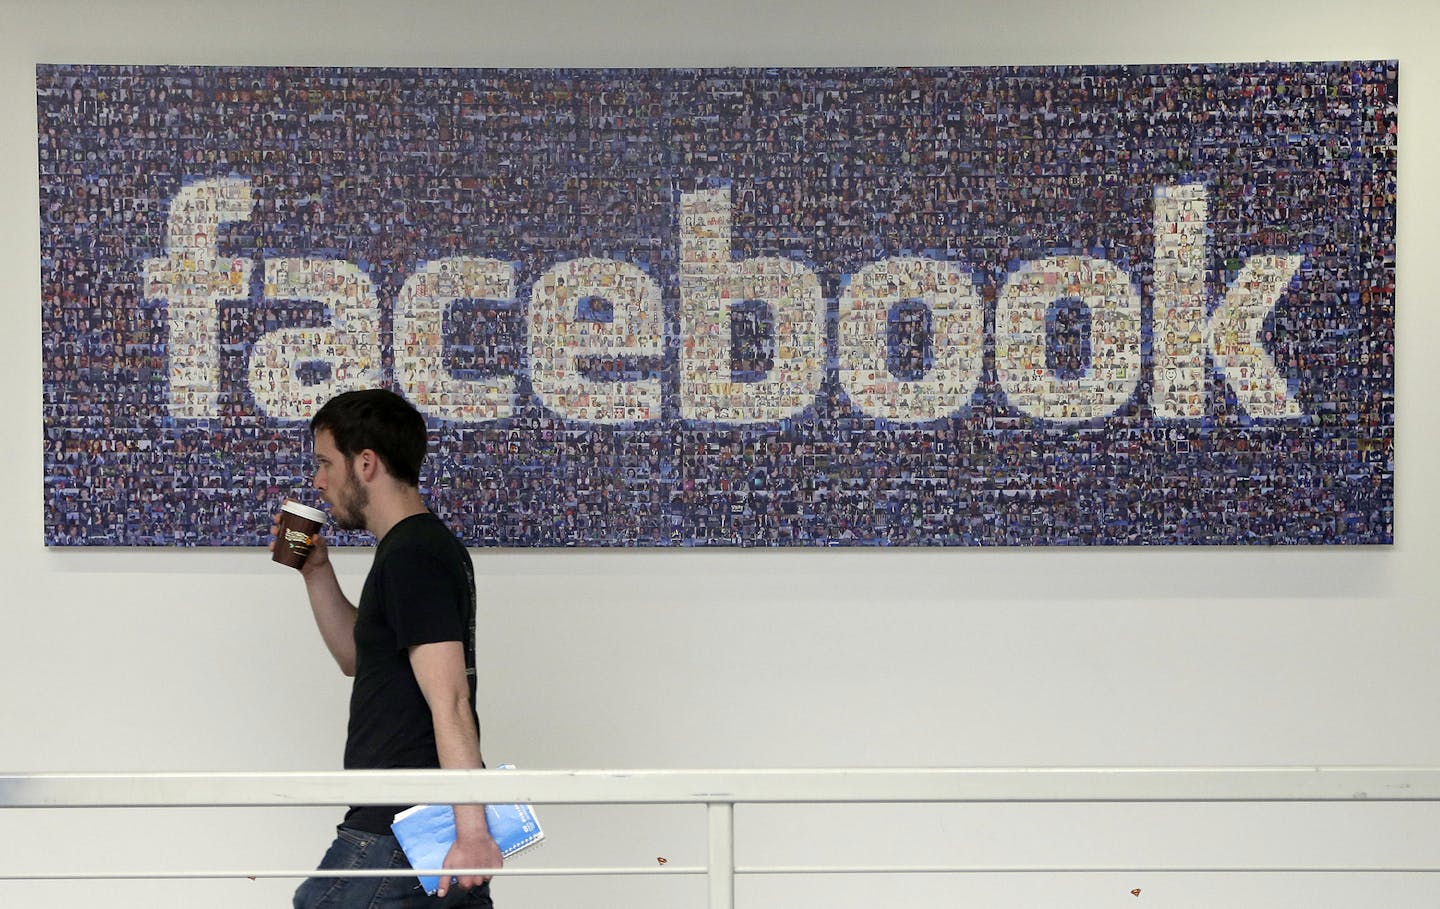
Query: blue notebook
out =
(426, 833)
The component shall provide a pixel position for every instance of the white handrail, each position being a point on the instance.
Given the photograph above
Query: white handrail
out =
(720, 791)
(636, 787)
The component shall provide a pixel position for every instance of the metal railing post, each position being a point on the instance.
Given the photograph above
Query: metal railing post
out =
(721, 869)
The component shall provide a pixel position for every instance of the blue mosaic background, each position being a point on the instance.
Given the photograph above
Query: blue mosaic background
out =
(985, 168)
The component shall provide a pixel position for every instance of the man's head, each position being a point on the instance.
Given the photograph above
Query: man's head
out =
(381, 429)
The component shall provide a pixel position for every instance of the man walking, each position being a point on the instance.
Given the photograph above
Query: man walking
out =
(409, 645)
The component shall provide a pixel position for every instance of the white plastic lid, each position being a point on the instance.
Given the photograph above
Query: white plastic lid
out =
(305, 511)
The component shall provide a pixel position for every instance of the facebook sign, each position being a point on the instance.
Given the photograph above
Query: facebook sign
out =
(691, 307)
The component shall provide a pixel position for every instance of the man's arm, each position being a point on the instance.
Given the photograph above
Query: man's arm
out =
(440, 670)
(334, 613)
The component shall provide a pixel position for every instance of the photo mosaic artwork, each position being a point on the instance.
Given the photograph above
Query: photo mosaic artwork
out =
(1104, 305)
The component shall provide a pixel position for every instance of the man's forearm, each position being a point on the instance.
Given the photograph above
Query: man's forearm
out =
(471, 823)
(334, 616)
(440, 672)
(459, 748)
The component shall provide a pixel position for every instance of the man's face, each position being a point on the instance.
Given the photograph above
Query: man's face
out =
(337, 484)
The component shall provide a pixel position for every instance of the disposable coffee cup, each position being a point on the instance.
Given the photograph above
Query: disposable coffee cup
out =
(298, 523)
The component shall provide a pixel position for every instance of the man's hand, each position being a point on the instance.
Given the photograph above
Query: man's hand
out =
(319, 557)
(319, 552)
(471, 852)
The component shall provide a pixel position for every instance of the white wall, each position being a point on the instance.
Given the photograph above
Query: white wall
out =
(201, 660)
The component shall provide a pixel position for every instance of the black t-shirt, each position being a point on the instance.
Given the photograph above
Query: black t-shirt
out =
(420, 590)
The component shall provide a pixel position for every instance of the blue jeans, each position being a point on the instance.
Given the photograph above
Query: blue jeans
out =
(356, 849)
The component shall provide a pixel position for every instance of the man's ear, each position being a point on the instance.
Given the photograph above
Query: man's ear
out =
(367, 465)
